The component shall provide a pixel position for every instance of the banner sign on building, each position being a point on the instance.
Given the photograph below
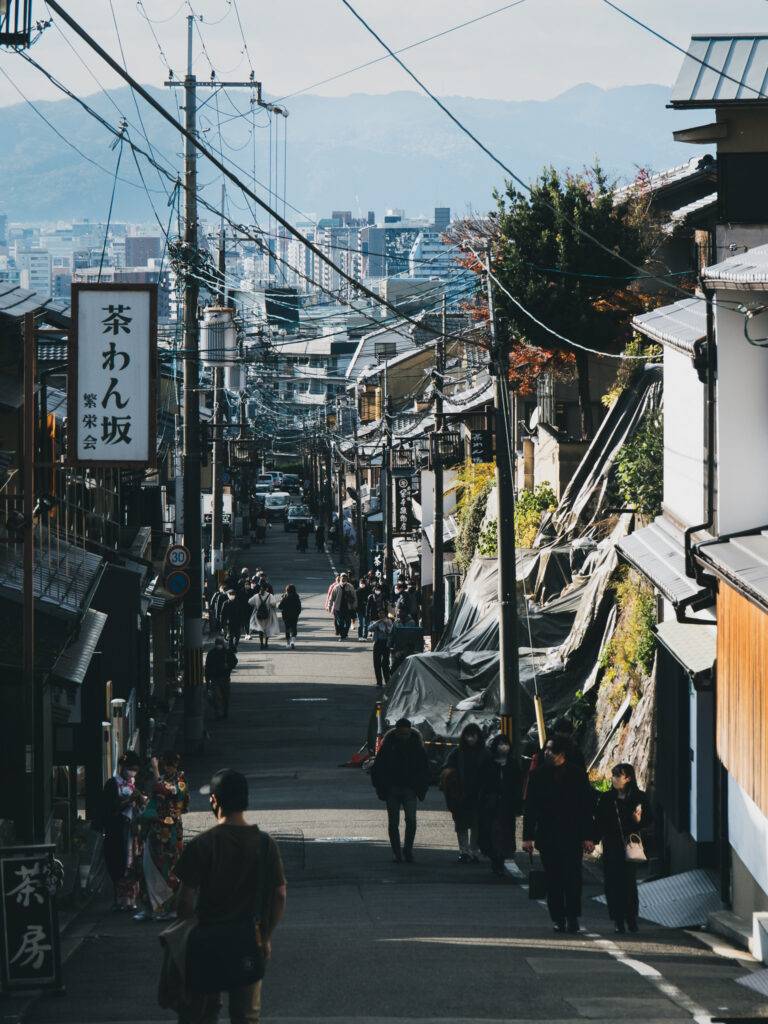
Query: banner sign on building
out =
(30, 953)
(112, 385)
(481, 446)
(403, 518)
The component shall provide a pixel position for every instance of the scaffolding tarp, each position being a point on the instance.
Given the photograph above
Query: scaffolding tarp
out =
(565, 606)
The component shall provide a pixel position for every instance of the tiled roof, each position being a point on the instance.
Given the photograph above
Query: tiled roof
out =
(720, 70)
(748, 269)
(742, 562)
(657, 551)
(679, 326)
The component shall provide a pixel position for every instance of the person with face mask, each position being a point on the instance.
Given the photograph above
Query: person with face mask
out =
(622, 812)
(559, 812)
(122, 802)
(400, 776)
(461, 779)
(500, 803)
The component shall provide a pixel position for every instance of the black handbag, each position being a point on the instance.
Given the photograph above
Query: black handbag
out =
(230, 954)
(537, 882)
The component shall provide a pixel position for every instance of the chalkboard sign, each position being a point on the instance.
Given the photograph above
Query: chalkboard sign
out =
(30, 953)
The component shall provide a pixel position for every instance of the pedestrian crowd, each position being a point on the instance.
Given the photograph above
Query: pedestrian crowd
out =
(562, 815)
(243, 607)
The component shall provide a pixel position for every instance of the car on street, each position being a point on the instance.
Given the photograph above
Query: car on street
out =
(276, 505)
(265, 480)
(296, 515)
(291, 483)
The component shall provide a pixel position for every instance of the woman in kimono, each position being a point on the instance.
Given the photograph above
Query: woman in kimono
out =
(122, 803)
(161, 819)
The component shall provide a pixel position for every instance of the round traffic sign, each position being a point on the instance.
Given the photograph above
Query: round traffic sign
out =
(178, 556)
(178, 583)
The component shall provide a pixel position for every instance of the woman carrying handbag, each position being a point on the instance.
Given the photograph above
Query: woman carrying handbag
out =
(622, 813)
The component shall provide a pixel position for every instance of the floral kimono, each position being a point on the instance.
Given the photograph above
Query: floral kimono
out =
(164, 839)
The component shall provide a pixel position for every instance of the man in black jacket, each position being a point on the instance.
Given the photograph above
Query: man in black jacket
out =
(400, 775)
(559, 810)
(219, 663)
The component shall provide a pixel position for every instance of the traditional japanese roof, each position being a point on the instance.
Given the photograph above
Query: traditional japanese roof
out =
(72, 664)
(657, 551)
(742, 562)
(64, 576)
(721, 70)
(748, 270)
(16, 301)
(679, 326)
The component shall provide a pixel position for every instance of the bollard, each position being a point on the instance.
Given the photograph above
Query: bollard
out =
(107, 771)
(117, 710)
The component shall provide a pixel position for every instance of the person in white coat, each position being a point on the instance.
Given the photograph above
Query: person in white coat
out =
(264, 615)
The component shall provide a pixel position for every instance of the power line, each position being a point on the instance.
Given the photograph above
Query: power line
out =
(148, 98)
(497, 160)
(737, 81)
(403, 49)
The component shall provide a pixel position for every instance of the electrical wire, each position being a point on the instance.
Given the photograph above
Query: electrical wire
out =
(216, 162)
(710, 67)
(551, 330)
(111, 201)
(497, 160)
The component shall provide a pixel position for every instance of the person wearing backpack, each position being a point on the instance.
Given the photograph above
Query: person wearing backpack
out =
(343, 603)
(264, 615)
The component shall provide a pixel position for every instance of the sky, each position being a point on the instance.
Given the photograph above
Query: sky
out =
(536, 49)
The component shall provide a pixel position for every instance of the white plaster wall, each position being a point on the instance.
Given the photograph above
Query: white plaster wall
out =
(748, 833)
(684, 422)
(742, 416)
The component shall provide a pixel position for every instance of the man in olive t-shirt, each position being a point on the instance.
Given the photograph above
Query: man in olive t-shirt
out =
(219, 870)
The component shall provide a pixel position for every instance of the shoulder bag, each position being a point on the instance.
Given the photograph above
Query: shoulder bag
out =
(230, 954)
(633, 846)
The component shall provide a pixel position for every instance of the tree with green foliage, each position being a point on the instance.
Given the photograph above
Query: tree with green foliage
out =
(640, 465)
(559, 275)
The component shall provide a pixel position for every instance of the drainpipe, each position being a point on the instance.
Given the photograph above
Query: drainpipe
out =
(710, 368)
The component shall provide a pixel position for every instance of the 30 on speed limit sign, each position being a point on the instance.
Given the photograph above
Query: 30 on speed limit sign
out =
(178, 556)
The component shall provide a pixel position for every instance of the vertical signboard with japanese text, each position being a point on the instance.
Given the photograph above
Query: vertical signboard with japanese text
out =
(403, 520)
(30, 955)
(113, 375)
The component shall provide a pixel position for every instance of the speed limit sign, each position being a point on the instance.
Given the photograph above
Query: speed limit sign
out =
(178, 556)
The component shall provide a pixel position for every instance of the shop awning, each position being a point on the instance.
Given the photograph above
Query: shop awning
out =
(694, 647)
(406, 551)
(72, 664)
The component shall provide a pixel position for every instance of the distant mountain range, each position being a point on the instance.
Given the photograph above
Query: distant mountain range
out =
(358, 153)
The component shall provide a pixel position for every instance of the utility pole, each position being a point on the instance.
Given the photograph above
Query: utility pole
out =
(509, 670)
(438, 585)
(217, 526)
(28, 480)
(340, 511)
(361, 552)
(386, 489)
(193, 600)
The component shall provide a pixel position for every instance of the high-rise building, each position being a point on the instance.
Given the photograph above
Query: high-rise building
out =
(140, 249)
(35, 270)
(442, 218)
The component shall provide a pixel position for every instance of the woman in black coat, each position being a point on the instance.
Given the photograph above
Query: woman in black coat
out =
(463, 773)
(500, 803)
(621, 812)
(290, 606)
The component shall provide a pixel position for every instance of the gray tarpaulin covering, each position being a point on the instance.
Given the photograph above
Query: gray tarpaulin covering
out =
(565, 608)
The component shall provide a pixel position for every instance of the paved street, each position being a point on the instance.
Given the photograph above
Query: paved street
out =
(363, 939)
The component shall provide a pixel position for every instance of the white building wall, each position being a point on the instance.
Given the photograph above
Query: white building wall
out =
(748, 833)
(742, 415)
(684, 423)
